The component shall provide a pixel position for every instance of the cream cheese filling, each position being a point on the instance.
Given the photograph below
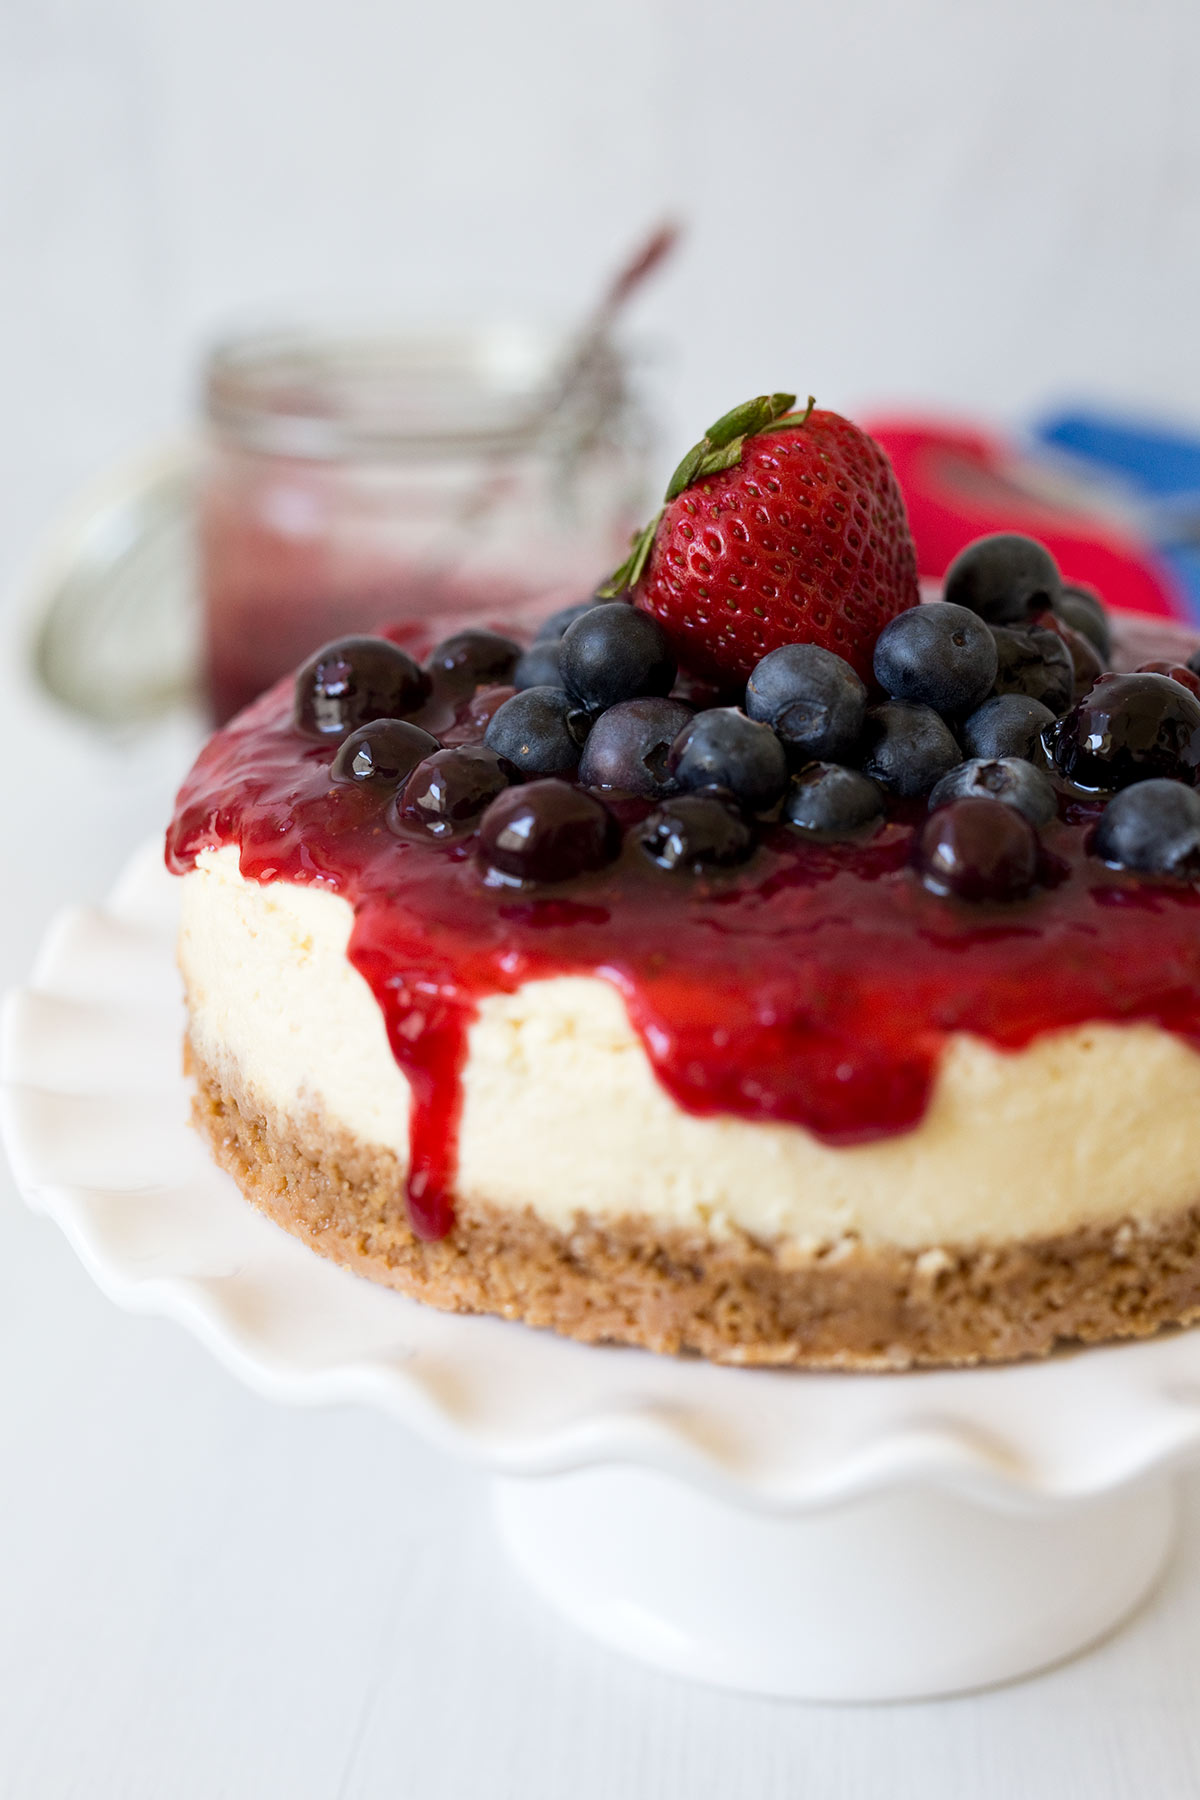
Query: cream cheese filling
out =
(562, 1112)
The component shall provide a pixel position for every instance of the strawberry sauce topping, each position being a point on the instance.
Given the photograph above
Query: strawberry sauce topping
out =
(816, 984)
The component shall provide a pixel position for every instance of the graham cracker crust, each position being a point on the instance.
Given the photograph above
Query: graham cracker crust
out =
(733, 1300)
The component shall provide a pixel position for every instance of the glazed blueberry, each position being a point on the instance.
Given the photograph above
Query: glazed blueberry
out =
(1153, 827)
(538, 666)
(628, 746)
(1129, 728)
(694, 832)
(1036, 663)
(830, 801)
(539, 731)
(1084, 614)
(938, 655)
(381, 754)
(1004, 578)
(447, 792)
(1006, 778)
(615, 653)
(1086, 661)
(471, 659)
(723, 748)
(1005, 725)
(354, 680)
(477, 714)
(907, 748)
(811, 698)
(547, 831)
(977, 849)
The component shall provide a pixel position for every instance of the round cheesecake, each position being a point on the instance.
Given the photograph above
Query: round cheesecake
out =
(799, 1111)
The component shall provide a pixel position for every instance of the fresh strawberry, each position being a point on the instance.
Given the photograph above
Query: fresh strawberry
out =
(779, 527)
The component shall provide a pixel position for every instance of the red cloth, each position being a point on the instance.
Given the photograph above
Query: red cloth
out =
(960, 484)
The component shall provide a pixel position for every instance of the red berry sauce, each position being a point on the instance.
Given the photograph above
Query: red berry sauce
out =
(815, 984)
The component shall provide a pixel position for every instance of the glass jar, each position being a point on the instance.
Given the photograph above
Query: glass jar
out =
(351, 480)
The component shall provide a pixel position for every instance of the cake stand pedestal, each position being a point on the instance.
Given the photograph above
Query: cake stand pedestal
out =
(827, 1536)
(902, 1595)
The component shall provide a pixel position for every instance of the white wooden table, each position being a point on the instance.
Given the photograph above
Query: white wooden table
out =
(203, 1595)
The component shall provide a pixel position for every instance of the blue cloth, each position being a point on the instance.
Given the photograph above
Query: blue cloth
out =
(1157, 465)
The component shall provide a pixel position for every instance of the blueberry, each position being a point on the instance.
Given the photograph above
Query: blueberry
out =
(628, 746)
(694, 832)
(547, 831)
(554, 627)
(447, 791)
(723, 748)
(830, 801)
(907, 748)
(1153, 827)
(1129, 728)
(1086, 661)
(539, 731)
(538, 667)
(1036, 663)
(472, 659)
(1084, 614)
(939, 655)
(381, 754)
(1180, 672)
(1006, 778)
(1193, 662)
(811, 698)
(1004, 578)
(976, 849)
(354, 680)
(1005, 725)
(615, 653)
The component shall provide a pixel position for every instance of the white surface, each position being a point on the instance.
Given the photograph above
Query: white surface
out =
(910, 1594)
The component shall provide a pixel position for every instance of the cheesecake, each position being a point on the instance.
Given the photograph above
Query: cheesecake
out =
(824, 994)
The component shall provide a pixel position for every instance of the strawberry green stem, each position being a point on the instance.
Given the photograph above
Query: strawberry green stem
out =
(720, 448)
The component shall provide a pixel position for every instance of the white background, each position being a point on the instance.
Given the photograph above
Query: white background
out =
(978, 203)
(981, 207)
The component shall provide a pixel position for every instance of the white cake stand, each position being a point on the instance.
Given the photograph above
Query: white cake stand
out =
(826, 1536)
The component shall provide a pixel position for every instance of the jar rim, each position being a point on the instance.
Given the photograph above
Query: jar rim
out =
(332, 394)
